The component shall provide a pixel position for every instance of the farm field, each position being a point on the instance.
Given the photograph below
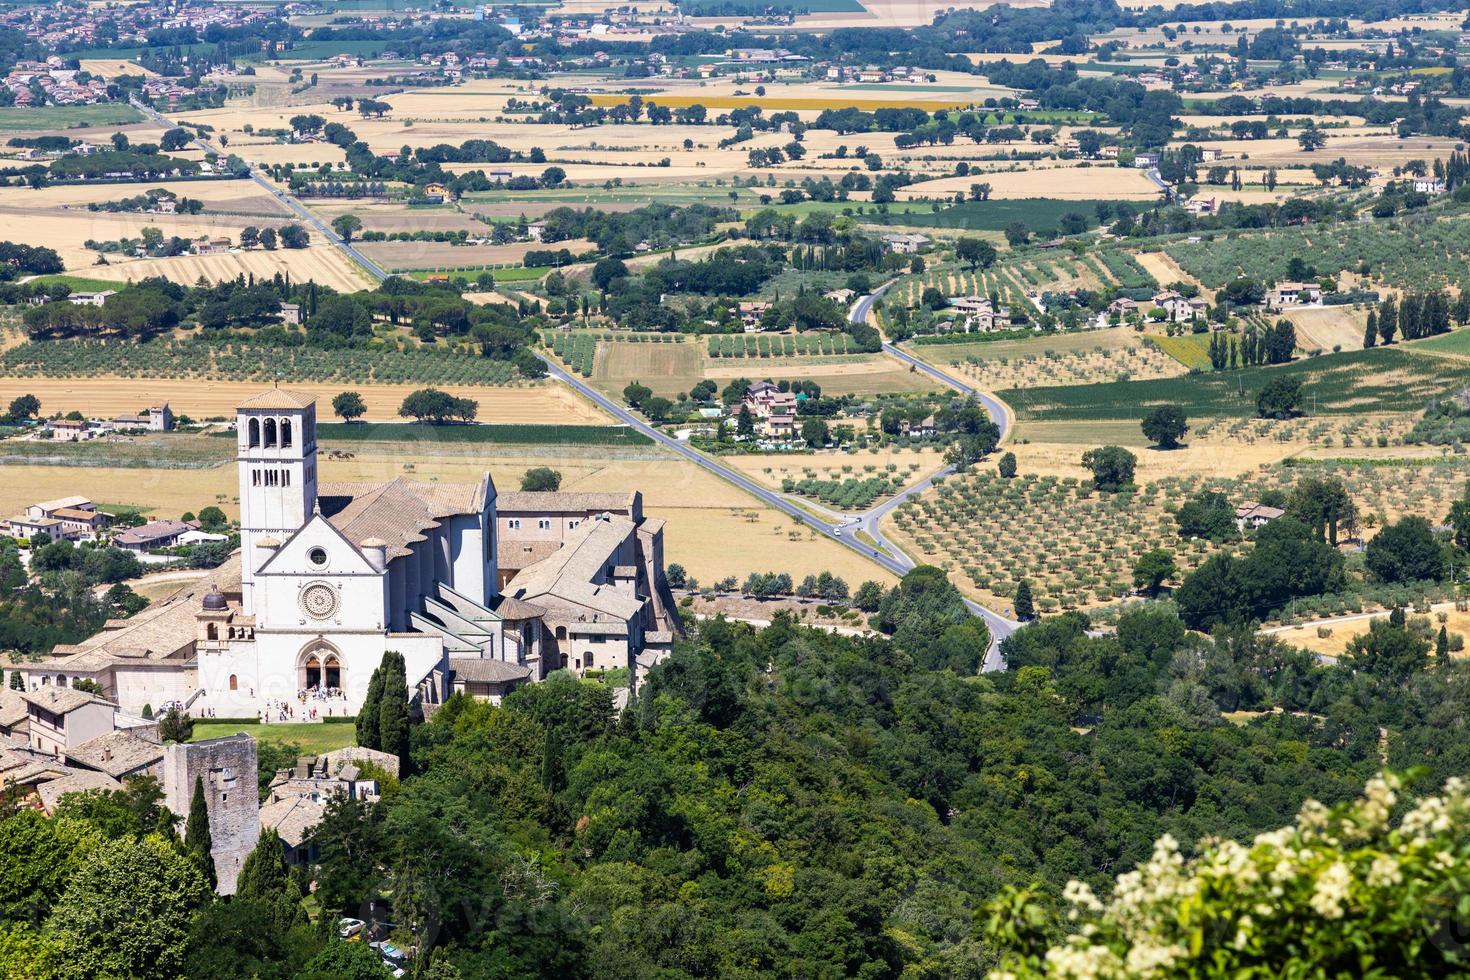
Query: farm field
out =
(402, 256)
(13, 120)
(106, 396)
(904, 466)
(1068, 183)
(1077, 546)
(1382, 380)
(321, 263)
(1339, 634)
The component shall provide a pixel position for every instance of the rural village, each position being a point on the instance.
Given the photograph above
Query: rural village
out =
(734, 488)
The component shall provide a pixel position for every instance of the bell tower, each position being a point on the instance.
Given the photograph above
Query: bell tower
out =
(276, 439)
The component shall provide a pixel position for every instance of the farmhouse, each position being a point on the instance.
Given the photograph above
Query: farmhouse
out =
(905, 244)
(90, 298)
(1253, 515)
(154, 534)
(979, 315)
(1179, 309)
(330, 577)
(1294, 294)
(69, 430)
(156, 418)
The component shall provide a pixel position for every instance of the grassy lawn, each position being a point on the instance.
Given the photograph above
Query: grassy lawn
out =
(512, 274)
(67, 117)
(79, 284)
(313, 739)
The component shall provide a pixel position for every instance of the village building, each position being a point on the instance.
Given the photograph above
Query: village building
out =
(905, 244)
(1178, 308)
(1251, 515)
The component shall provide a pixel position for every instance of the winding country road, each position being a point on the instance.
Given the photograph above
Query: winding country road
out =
(844, 531)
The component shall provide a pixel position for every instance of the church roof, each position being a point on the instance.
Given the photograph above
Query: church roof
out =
(163, 631)
(280, 398)
(487, 671)
(559, 502)
(569, 576)
(396, 512)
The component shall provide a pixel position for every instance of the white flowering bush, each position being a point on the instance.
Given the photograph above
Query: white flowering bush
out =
(1341, 893)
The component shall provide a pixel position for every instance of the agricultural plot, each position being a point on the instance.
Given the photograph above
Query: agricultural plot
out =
(22, 120)
(1417, 253)
(780, 345)
(992, 215)
(849, 495)
(320, 263)
(1051, 368)
(1191, 350)
(668, 364)
(1391, 379)
(1077, 547)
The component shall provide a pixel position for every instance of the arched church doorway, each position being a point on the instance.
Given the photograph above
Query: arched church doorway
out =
(321, 668)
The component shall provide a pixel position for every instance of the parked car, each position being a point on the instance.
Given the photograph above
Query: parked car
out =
(349, 928)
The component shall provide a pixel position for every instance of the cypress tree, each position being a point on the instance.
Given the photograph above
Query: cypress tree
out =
(367, 715)
(197, 839)
(1370, 336)
(264, 873)
(393, 707)
(1442, 645)
(1025, 608)
(17, 683)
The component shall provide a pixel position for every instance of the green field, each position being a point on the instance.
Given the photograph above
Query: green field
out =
(1034, 213)
(511, 274)
(559, 435)
(1191, 350)
(1456, 343)
(312, 739)
(1379, 380)
(78, 284)
(67, 117)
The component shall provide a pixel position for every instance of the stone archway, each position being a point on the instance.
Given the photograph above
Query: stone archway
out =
(320, 664)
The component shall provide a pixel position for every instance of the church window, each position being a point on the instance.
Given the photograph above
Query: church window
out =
(254, 432)
(285, 478)
(270, 433)
(544, 524)
(561, 632)
(255, 478)
(317, 556)
(514, 524)
(285, 432)
(211, 632)
(572, 525)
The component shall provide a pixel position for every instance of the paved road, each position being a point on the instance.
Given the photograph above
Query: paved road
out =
(843, 532)
(1152, 173)
(296, 207)
(870, 522)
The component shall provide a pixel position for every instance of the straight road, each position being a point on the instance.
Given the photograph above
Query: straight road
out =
(296, 207)
(843, 532)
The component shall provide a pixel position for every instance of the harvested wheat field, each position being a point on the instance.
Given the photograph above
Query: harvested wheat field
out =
(1163, 268)
(403, 256)
(104, 397)
(1066, 183)
(858, 374)
(226, 195)
(1055, 449)
(68, 231)
(1329, 328)
(1309, 636)
(322, 263)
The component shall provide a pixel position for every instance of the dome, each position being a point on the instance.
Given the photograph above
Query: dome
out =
(214, 600)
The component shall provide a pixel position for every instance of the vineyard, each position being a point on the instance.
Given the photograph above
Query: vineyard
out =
(1392, 379)
(781, 345)
(1077, 547)
(204, 359)
(1411, 254)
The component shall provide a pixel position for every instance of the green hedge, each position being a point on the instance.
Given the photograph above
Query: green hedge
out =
(527, 434)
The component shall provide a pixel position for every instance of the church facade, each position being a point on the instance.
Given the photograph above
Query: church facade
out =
(331, 576)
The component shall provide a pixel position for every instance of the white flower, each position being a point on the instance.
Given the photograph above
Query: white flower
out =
(1331, 892)
(1079, 893)
(1385, 872)
(1147, 961)
(1243, 931)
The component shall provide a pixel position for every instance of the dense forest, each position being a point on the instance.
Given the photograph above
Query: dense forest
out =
(779, 802)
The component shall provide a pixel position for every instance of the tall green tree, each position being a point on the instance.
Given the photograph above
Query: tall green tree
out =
(1024, 605)
(393, 722)
(197, 837)
(367, 716)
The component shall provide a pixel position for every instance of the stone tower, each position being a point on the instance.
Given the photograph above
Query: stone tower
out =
(276, 437)
(231, 794)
